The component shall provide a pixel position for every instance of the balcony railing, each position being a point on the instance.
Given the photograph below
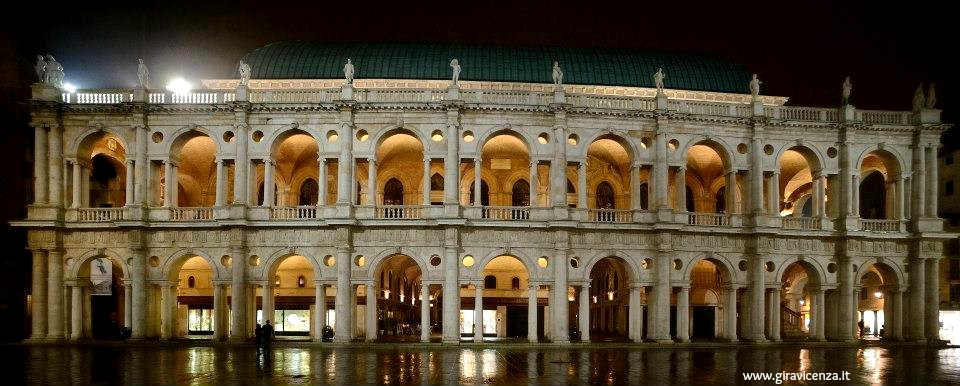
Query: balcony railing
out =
(880, 225)
(505, 212)
(610, 215)
(191, 214)
(708, 219)
(399, 211)
(293, 212)
(801, 223)
(99, 214)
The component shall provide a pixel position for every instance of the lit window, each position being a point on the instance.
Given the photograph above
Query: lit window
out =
(301, 282)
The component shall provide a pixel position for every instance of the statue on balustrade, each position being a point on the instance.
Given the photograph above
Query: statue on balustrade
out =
(557, 75)
(658, 80)
(41, 68)
(918, 99)
(755, 87)
(847, 89)
(348, 71)
(244, 73)
(455, 64)
(143, 74)
(931, 97)
(54, 72)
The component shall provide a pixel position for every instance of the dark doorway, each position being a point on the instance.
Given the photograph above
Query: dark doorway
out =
(105, 315)
(308, 192)
(873, 196)
(393, 192)
(704, 321)
(605, 196)
(521, 193)
(516, 322)
(484, 194)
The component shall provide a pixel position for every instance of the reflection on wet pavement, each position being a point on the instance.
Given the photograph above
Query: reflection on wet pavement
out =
(168, 364)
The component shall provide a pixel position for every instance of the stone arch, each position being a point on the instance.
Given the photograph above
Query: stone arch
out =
(892, 160)
(184, 134)
(816, 274)
(719, 145)
(528, 264)
(887, 270)
(287, 131)
(629, 263)
(273, 262)
(614, 135)
(376, 265)
(728, 271)
(389, 131)
(179, 257)
(506, 131)
(75, 269)
(812, 155)
(76, 147)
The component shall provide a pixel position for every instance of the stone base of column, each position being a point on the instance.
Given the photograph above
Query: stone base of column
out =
(451, 211)
(560, 213)
(851, 223)
(683, 340)
(450, 341)
(238, 211)
(342, 211)
(664, 341)
(928, 224)
(665, 215)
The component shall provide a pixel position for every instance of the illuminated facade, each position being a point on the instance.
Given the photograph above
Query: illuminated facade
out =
(606, 208)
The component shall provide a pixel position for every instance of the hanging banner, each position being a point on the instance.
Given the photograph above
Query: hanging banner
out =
(101, 277)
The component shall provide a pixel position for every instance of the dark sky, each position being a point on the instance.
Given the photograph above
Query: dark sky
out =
(799, 49)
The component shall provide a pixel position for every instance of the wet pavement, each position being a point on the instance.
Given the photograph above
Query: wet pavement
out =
(185, 362)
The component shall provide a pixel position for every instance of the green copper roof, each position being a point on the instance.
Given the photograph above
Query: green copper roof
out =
(592, 66)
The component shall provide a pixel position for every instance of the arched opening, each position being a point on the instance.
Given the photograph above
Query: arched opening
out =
(713, 304)
(400, 300)
(289, 302)
(877, 310)
(609, 300)
(644, 193)
(505, 157)
(798, 317)
(690, 205)
(101, 172)
(400, 156)
(521, 193)
(505, 311)
(873, 196)
(609, 162)
(193, 308)
(796, 184)
(296, 168)
(105, 296)
(877, 191)
(194, 170)
(484, 194)
(706, 174)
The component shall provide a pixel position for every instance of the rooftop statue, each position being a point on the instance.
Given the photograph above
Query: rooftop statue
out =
(244, 73)
(658, 80)
(143, 74)
(348, 71)
(455, 64)
(847, 88)
(755, 86)
(557, 75)
(918, 99)
(931, 97)
(41, 68)
(54, 72)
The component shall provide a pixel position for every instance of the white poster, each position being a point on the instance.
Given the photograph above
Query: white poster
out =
(101, 276)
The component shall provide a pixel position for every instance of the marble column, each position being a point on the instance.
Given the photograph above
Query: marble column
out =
(478, 313)
(55, 165)
(140, 167)
(86, 171)
(76, 312)
(756, 181)
(170, 178)
(634, 326)
(40, 167)
(268, 183)
(220, 327)
(819, 310)
(221, 193)
(856, 195)
(660, 181)
(168, 310)
(584, 312)
(371, 312)
(817, 195)
(425, 181)
(128, 183)
(933, 186)
(918, 302)
(635, 186)
(897, 315)
(451, 295)
(425, 312)
(561, 304)
(451, 168)
(532, 312)
(847, 319)
(77, 185)
(919, 183)
(345, 180)
(932, 303)
(582, 185)
(343, 307)
(55, 292)
(681, 182)
(534, 179)
(267, 303)
(127, 304)
(683, 314)
(38, 292)
(238, 299)
(773, 332)
(773, 194)
(320, 307)
(660, 308)
(241, 183)
(756, 299)
(322, 182)
(477, 180)
(730, 197)
(900, 199)
(371, 181)
(139, 287)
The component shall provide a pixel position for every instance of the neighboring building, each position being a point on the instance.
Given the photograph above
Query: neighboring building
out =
(950, 268)
(596, 208)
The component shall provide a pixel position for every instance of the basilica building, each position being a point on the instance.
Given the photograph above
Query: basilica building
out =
(447, 193)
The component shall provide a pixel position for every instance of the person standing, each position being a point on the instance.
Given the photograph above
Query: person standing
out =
(267, 336)
(258, 335)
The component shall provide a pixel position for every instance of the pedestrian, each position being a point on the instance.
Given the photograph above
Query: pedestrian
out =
(860, 327)
(267, 336)
(258, 334)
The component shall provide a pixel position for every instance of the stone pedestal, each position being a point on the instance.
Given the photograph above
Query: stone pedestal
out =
(45, 92)
(661, 100)
(346, 92)
(848, 113)
(140, 95)
(559, 96)
(243, 93)
(929, 116)
(453, 92)
(757, 108)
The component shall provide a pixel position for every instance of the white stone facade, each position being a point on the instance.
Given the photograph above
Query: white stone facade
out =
(655, 238)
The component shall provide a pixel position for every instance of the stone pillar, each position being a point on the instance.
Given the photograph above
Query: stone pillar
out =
(477, 181)
(425, 182)
(558, 169)
(730, 198)
(343, 307)
(856, 195)
(76, 186)
(371, 313)
(268, 183)
(847, 319)
(919, 182)
(221, 194)
(932, 303)
(635, 186)
(634, 326)
(241, 183)
(532, 313)
(38, 312)
(756, 299)
(478, 313)
(320, 307)
(561, 305)
(817, 195)
(681, 182)
(425, 312)
(322, 182)
(933, 186)
(238, 299)
(76, 312)
(371, 181)
(138, 329)
(683, 314)
(220, 327)
(267, 302)
(127, 304)
(819, 309)
(773, 194)
(730, 312)
(900, 199)
(55, 165)
(85, 186)
(451, 295)
(773, 332)
(534, 178)
(660, 181)
(345, 170)
(40, 167)
(896, 331)
(55, 292)
(756, 182)
(582, 185)
(128, 182)
(584, 313)
(451, 168)
(168, 310)
(170, 178)
(660, 309)
(141, 167)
